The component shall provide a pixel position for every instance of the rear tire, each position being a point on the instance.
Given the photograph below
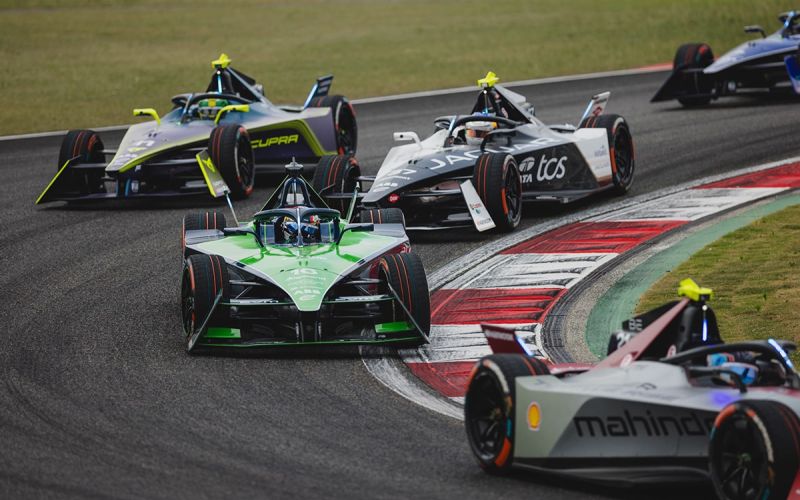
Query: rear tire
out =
(693, 56)
(88, 148)
(489, 408)
(203, 278)
(344, 122)
(200, 221)
(499, 184)
(230, 149)
(382, 216)
(743, 433)
(336, 175)
(404, 272)
(621, 150)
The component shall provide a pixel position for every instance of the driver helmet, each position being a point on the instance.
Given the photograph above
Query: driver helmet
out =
(289, 228)
(476, 131)
(310, 229)
(207, 109)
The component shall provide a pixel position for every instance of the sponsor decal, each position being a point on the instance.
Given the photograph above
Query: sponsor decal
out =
(548, 169)
(632, 424)
(534, 416)
(131, 153)
(275, 141)
(635, 325)
(480, 216)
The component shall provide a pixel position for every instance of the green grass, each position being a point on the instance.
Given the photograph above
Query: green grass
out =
(755, 275)
(85, 63)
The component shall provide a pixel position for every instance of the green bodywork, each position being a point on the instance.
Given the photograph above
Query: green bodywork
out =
(306, 273)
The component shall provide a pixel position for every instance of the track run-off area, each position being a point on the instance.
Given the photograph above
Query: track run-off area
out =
(100, 399)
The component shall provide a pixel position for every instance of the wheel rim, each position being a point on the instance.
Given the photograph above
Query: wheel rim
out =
(187, 304)
(486, 416)
(513, 194)
(740, 461)
(623, 157)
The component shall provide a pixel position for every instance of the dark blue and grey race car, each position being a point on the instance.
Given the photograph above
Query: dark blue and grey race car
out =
(760, 65)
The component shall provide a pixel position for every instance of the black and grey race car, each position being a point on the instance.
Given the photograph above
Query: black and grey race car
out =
(759, 65)
(219, 134)
(478, 168)
(670, 402)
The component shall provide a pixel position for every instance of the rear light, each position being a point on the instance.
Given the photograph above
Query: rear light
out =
(394, 198)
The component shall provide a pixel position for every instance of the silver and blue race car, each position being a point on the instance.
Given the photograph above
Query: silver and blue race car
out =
(211, 141)
(760, 65)
(671, 401)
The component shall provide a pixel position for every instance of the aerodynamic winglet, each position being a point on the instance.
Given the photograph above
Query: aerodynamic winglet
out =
(504, 340)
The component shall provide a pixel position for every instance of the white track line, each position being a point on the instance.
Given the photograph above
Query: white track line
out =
(399, 97)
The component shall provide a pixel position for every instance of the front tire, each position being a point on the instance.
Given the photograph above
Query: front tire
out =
(621, 150)
(83, 146)
(230, 149)
(489, 408)
(344, 122)
(382, 216)
(336, 175)
(754, 450)
(694, 56)
(200, 221)
(404, 272)
(499, 184)
(204, 276)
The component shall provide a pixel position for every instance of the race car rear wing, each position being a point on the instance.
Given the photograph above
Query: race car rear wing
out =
(597, 105)
(320, 89)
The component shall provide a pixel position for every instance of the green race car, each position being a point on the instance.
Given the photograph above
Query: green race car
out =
(300, 273)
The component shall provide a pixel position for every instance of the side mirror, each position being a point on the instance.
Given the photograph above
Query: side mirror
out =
(755, 28)
(147, 112)
(242, 108)
(356, 228)
(407, 136)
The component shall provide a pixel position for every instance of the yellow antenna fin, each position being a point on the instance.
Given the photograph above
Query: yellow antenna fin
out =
(222, 62)
(489, 80)
(688, 288)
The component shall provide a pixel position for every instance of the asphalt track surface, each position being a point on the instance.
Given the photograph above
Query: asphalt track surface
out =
(99, 398)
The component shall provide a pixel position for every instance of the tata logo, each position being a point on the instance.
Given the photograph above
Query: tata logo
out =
(275, 141)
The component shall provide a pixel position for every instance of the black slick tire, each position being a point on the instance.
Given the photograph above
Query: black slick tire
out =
(621, 149)
(754, 450)
(336, 175)
(499, 184)
(382, 216)
(199, 221)
(230, 149)
(693, 56)
(489, 408)
(344, 122)
(404, 272)
(83, 146)
(204, 276)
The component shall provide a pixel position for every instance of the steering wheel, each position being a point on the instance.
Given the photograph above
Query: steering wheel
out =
(457, 122)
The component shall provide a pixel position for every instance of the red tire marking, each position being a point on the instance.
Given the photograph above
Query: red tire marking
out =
(485, 173)
(408, 282)
(77, 145)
